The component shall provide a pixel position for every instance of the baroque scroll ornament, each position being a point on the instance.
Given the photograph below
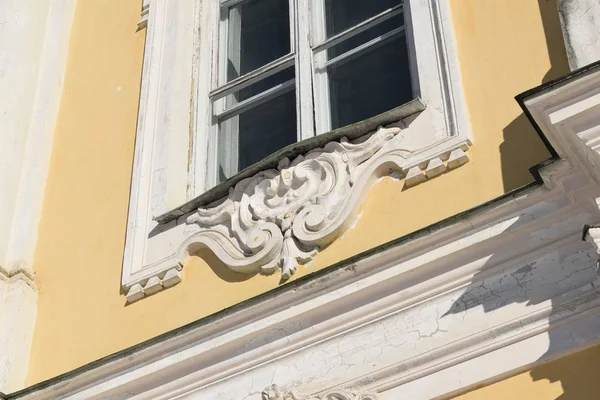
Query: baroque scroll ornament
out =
(273, 392)
(281, 217)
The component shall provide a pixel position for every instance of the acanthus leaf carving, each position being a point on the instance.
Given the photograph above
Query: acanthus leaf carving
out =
(280, 218)
(273, 392)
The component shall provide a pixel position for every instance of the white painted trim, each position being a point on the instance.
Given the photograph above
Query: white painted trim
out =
(18, 303)
(44, 115)
(163, 136)
(18, 295)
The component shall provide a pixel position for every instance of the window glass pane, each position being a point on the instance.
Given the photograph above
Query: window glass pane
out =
(375, 81)
(363, 37)
(258, 33)
(254, 134)
(343, 14)
(260, 86)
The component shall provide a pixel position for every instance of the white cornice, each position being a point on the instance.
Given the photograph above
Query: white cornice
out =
(388, 296)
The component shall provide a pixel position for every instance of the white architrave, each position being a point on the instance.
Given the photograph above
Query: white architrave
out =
(172, 158)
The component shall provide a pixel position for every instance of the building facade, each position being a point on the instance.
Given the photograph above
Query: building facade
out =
(299, 199)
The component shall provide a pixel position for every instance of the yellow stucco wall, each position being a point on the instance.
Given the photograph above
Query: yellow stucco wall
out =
(82, 315)
(574, 377)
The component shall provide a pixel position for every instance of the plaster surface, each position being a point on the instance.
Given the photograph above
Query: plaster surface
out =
(581, 22)
(567, 378)
(22, 26)
(18, 308)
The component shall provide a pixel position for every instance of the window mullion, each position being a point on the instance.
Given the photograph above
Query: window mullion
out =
(321, 81)
(304, 70)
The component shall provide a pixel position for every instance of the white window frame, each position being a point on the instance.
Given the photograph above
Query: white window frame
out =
(175, 137)
(308, 45)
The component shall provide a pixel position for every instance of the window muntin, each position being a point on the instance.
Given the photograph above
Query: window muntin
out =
(354, 66)
(342, 15)
(259, 120)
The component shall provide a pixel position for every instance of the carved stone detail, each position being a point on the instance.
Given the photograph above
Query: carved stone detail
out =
(275, 393)
(279, 218)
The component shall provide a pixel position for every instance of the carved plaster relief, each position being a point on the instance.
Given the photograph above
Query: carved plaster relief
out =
(281, 217)
(275, 393)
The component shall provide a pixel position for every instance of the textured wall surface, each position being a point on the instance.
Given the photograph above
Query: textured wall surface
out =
(581, 23)
(573, 377)
(22, 25)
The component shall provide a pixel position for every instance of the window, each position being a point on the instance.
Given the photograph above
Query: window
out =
(226, 83)
(286, 70)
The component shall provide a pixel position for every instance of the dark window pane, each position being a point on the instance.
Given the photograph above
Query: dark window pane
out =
(363, 37)
(258, 33)
(343, 14)
(260, 86)
(256, 133)
(373, 82)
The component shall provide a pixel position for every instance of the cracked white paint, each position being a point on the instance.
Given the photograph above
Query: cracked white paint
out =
(407, 338)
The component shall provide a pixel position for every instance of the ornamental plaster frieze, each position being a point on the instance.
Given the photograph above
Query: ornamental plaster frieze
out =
(280, 218)
(273, 392)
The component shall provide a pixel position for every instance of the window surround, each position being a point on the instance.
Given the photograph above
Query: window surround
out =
(170, 168)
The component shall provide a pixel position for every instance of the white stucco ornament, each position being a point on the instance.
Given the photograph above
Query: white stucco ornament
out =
(280, 218)
(275, 393)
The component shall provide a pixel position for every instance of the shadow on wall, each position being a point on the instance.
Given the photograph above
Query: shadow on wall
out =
(522, 147)
(530, 282)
